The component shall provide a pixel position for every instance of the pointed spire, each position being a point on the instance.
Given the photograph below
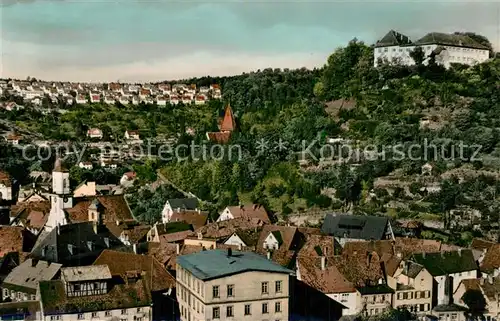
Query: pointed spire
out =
(58, 166)
(228, 123)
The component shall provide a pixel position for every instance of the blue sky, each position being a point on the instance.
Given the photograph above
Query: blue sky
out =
(94, 40)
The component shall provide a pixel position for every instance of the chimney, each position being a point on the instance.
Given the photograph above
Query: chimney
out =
(229, 252)
(268, 255)
(323, 263)
(177, 248)
(460, 252)
(134, 246)
(240, 246)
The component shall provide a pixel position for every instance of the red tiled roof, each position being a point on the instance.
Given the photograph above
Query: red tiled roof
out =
(114, 207)
(318, 245)
(195, 218)
(219, 230)
(15, 239)
(31, 214)
(289, 242)
(120, 263)
(478, 244)
(404, 246)
(328, 281)
(491, 259)
(250, 211)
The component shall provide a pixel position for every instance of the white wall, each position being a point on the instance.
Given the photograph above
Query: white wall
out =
(60, 183)
(348, 299)
(235, 240)
(166, 213)
(131, 314)
(225, 215)
(6, 192)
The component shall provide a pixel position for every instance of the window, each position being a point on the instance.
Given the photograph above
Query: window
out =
(229, 311)
(55, 317)
(344, 298)
(265, 308)
(81, 316)
(94, 314)
(124, 311)
(385, 49)
(405, 296)
(248, 309)
(265, 288)
(453, 316)
(215, 291)
(422, 307)
(216, 313)
(277, 307)
(107, 313)
(230, 290)
(278, 286)
(138, 309)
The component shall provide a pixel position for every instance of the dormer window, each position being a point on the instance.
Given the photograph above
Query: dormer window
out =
(71, 249)
(90, 245)
(106, 241)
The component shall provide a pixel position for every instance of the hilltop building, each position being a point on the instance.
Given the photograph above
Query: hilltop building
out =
(448, 48)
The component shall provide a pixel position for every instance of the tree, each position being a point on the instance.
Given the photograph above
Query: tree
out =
(418, 55)
(476, 303)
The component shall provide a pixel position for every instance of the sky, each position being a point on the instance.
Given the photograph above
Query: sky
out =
(150, 40)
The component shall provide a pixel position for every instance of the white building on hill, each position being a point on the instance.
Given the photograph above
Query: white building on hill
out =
(448, 48)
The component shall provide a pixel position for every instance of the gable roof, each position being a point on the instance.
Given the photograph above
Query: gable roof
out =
(15, 239)
(224, 229)
(286, 252)
(31, 214)
(183, 203)
(400, 245)
(193, 217)
(491, 260)
(446, 262)
(120, 263)
(328, 281)
(393, 38)
(449, 40)
(412, 269)
(317, 246)
(479, 244)
(208, 265)
(355, 226)
(250, 211)
(113, 208)
(30, 272)
(54, 245)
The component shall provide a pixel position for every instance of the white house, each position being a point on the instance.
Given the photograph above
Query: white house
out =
(448, 48)
(248, 211)
(5, 187)
(448, 270)
(200, 100)
(177, 205)
(161, 101)
(174, 99)
(86, 165)
(80, 99)
(94, 133)
(132, 135)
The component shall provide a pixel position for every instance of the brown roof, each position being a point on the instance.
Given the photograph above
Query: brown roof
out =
(290, 237)
(478, 244)
(166, 253)
(403, 246)
(491, 259)
(363, 269)
(135, 234)
(5, 179)
(195, 218)
(114, 208)
(219, 137)
(318, 245)
(15, 239)
(31, 214)
(175, 237)
(250, 211)
(59, 167)
(228, 123)
(219, 230)
(329, 280)
(120, 263)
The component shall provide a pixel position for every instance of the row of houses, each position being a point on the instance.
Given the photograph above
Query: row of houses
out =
(83, 93)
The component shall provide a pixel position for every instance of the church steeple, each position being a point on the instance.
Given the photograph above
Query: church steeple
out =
(60, 179)
(228, 124)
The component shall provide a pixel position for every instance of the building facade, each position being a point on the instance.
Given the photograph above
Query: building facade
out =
(395, 47)
(220, 285)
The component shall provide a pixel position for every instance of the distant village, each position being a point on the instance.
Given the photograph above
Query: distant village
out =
(79, 254)
(33, 92)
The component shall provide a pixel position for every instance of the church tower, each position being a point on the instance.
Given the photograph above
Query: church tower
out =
(61, 198)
